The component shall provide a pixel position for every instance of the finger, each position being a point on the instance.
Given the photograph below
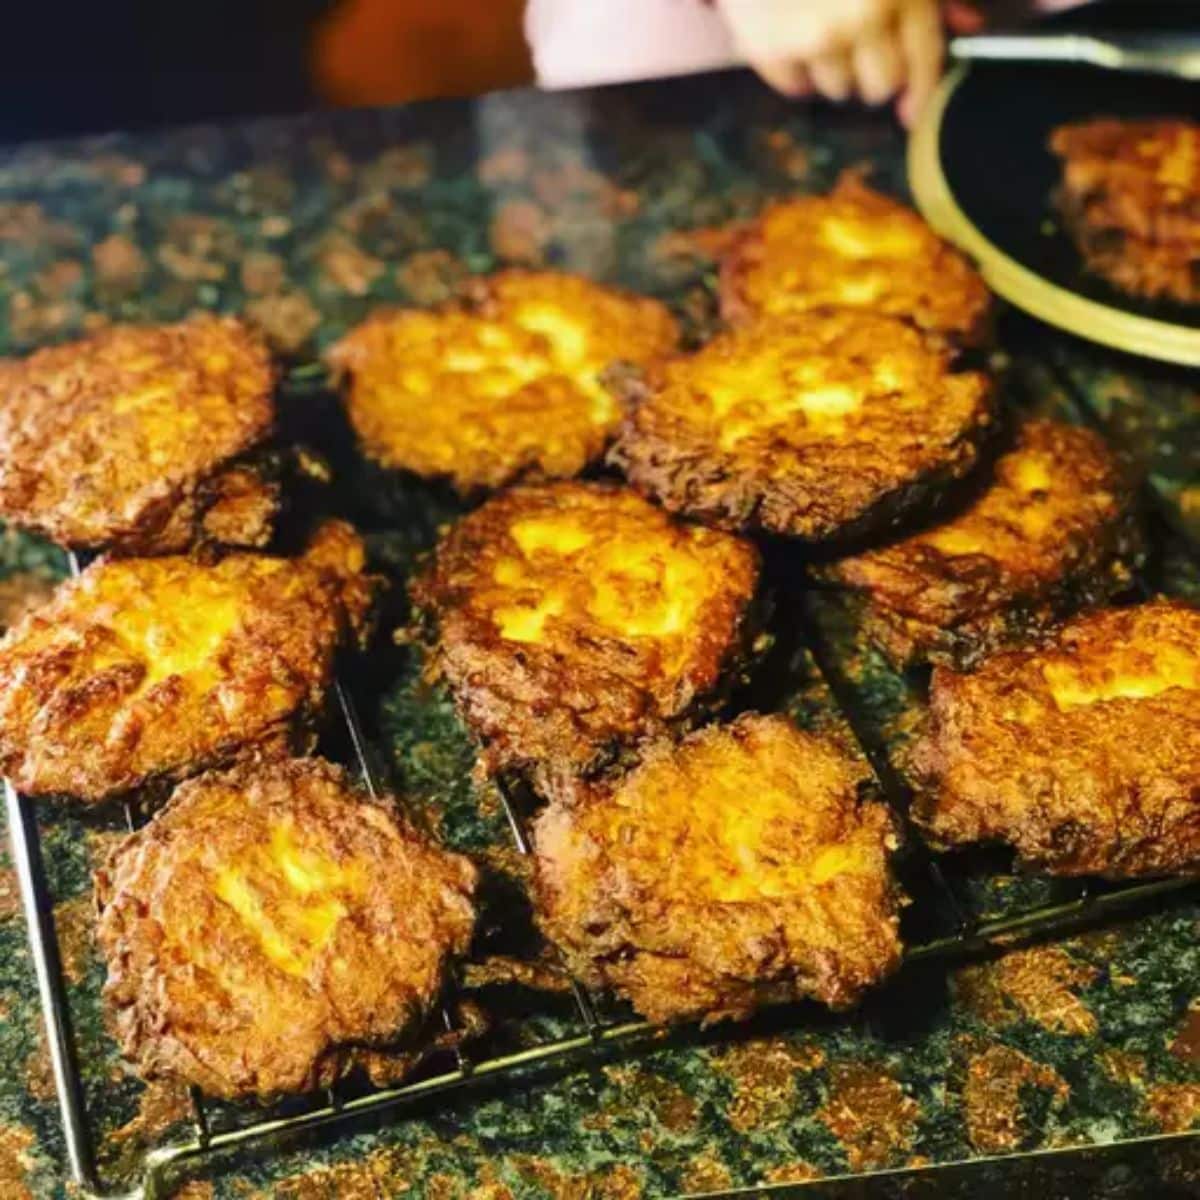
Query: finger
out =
(878, 67)
(786, 76)
(770, 29)
(963, 18)
(922, 44)
(831, 75)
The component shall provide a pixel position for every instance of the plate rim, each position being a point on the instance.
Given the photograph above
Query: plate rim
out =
(1016, 283)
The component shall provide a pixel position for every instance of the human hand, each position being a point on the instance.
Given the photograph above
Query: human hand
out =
(877, 49)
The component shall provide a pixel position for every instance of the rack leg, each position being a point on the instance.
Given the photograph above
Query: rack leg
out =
(43, 945)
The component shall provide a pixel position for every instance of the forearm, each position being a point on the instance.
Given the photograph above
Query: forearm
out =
(580, 42)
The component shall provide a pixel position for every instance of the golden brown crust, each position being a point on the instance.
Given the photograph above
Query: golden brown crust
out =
(153, 669)
(111, 442)
(509, 386)
(240, 509)
(271, 927)
(736, 868)
(1084, 753)
(853, 248)
(573, 618)
(1052, 532)
(1130, 197)
(816, 426)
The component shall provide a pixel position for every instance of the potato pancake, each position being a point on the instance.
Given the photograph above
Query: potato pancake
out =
(1083, 753)
(509, 386)
(1052, 532)
(121, 441)
(153, 669)
(818, 427)
(853, 248)
(736, 868)
(271, 927)
(574, 618)
(1130, 197)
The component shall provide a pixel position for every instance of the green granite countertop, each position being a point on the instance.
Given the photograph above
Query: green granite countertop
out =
(1088, 1045)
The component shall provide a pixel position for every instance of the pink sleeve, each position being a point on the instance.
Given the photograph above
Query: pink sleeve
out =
(580, 42)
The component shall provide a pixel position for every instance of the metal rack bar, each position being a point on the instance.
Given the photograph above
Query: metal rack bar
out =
(1047, 920)
(199, 1114)
(583, 1001)
(47, 966)
(159, 1160)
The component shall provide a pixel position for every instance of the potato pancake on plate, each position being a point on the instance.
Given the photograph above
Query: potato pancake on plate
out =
(737, 868)
(272, 928)
(151, 669)
(570, 619)
(125, 440)
(513, 384)
(1130, 198)
(1053, 531)
(821, 426)
(1082, 753)
(854, 248)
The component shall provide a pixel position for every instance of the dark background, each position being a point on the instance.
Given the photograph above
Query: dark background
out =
(79, 67)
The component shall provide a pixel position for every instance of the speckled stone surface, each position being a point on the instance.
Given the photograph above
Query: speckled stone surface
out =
(1081, 1044)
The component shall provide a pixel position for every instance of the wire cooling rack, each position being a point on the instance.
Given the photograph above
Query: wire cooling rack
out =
(949, 930)
(594, 1032)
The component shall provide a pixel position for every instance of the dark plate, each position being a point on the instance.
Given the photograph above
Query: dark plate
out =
(981, 173)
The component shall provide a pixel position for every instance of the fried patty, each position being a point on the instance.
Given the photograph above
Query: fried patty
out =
(574, 618)
(271, 925)
(1130, 197)
(508, 386)
(1083, 753)
(853, 248)
(817, 426)
(737, 868)
(122, 441)
(1054, 531)
(1141, 177)
(152, 669)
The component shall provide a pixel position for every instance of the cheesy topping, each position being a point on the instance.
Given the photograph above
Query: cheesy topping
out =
(796, 382)
(638, 586)
(178, 639)
(1126, 673)
(870, 239)
(290, 897)
(705, 835)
